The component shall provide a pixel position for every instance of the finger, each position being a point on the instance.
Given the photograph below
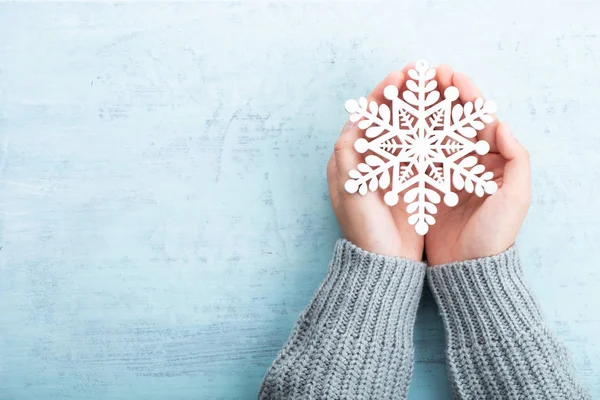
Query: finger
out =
(395, 78)
(346, 158)
(332, 179)
(467, 89)
(407, 67)
(331, 174)
(517, 171)
(469, 92)
(443, 75)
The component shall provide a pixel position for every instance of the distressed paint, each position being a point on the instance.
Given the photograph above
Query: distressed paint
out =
(164, 211)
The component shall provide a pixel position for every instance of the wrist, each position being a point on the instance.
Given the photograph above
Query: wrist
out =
(396, 249)
(391, 245)
(491, 292)
(411, 251)
(442, 256)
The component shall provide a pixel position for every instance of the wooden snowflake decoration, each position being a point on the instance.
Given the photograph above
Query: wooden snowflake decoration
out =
(423, 143)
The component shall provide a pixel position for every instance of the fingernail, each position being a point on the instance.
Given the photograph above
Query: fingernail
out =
(508, 130)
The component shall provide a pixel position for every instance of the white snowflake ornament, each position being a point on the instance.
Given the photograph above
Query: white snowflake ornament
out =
(425, 142)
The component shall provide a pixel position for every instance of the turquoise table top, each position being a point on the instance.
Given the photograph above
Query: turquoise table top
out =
(164, 214)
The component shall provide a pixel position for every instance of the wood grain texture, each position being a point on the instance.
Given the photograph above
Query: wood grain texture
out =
(164, 214)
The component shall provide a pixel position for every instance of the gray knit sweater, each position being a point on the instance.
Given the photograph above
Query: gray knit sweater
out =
(355, 339)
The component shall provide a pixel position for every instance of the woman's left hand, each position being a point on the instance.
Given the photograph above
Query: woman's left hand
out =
(366, 220)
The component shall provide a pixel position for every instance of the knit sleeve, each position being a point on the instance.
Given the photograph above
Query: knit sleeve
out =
(498, 345)
(354, 340)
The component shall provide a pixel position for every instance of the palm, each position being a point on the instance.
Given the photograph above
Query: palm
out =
(459, 230)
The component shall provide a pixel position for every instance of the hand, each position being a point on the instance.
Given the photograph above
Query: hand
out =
(482, 226)
(366, 220)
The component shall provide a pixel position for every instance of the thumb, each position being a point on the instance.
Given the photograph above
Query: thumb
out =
(517, 171)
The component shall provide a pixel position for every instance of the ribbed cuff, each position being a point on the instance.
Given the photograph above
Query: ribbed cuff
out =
(392, 284)
(354, 340)
(484, 300)
(498, 344)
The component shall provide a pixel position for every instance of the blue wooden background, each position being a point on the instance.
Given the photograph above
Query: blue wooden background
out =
(164, 214)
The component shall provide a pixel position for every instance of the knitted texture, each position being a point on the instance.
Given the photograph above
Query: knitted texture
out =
(354, 340)
(498, 346)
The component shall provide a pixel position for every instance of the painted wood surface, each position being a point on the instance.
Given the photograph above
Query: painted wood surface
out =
(164, 215)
